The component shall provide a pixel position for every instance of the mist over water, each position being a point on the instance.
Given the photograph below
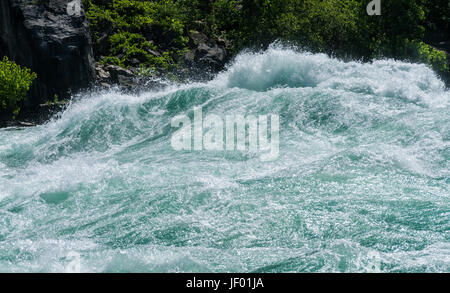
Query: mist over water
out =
(362, 181)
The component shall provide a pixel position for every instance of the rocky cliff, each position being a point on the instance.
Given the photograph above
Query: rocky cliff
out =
(54, 42)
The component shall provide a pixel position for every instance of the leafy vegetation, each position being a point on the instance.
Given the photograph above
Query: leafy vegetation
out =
(155, 34)
(425, 53)
(15, 82)
(150, 32)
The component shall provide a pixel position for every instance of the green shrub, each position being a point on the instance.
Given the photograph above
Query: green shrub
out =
(15, 82)
(436, 58)
(134, 26)
(419, 51)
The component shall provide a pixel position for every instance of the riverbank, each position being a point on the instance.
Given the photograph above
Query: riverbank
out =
(129, 44)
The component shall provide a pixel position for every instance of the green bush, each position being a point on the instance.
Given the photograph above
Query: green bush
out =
(134, 27)
(15, 82)
(316, 24)
(419, 51)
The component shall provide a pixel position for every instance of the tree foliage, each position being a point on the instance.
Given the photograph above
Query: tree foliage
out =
(135, 29)
(15, 82)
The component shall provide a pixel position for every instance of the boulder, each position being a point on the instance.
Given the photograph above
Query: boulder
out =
(207, 53)
(109, 75)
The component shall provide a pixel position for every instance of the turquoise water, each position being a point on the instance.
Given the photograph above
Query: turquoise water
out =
(361, 184)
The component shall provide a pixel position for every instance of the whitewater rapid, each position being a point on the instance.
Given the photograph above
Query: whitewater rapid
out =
(361, 183)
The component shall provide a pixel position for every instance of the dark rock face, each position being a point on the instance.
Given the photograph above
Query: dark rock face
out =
(208, 54)
(54, 43)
